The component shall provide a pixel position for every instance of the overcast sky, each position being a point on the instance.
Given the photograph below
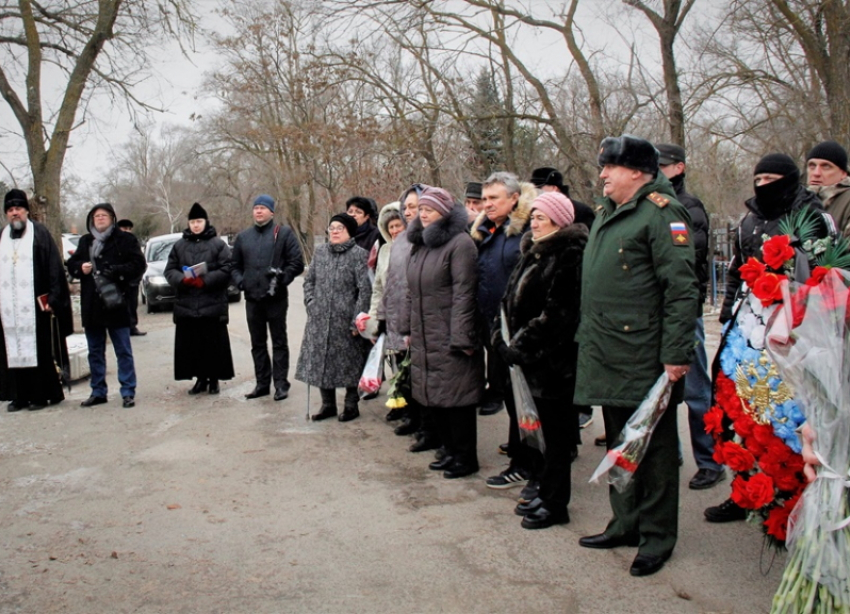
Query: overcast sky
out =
(177, 80)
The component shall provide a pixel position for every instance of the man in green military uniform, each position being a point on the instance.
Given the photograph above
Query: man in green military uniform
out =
(639, 303)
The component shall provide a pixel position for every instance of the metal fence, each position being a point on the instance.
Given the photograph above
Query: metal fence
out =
(721, 244)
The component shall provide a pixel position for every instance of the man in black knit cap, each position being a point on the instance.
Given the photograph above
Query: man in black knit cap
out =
(826, 169)
(778, 193)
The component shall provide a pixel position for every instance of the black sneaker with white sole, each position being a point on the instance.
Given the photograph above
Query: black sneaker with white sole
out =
(510, 477)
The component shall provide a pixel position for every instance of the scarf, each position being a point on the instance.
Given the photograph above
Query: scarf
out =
(99, 238)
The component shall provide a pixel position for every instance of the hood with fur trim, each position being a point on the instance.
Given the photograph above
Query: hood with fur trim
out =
(518, 219)
(383, 220)
(441, 231)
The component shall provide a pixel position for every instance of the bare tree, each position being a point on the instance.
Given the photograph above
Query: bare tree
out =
(668, 24)
(776, 74)
(74, 40)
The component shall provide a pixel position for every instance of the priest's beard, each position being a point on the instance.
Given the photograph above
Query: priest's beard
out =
(18, 225)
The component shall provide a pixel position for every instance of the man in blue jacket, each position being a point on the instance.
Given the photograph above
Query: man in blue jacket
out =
(497, 232)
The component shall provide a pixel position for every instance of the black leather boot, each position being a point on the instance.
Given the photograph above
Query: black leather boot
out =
(350, 411)
(214, 387)
(199, 387)
(328, 408)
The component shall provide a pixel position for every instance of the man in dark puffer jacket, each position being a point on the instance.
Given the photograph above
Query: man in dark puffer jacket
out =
(778, 194)
(671, 162)
(266, 258)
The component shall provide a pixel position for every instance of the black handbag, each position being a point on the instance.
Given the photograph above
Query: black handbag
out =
(109, 291)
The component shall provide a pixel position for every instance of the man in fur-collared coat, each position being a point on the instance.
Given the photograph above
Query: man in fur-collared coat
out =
(497, 232)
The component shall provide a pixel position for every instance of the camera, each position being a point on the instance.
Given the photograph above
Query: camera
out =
(273, 273)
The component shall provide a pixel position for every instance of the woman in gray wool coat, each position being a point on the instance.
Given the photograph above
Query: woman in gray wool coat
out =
(336, 289)
(447, 363)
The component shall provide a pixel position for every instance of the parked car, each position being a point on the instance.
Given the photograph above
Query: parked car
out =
(69, 246)
(155, 290)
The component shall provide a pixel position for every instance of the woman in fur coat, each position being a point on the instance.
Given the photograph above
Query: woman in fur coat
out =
(336, 289)
(447, 366)
(541, 305)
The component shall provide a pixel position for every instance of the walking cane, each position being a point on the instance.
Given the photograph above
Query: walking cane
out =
(62, 370)
(307, 417)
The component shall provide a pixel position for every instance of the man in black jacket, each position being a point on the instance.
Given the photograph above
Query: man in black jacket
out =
(114, 257)
(266, 258)
(778, 195)
(697, 382)
(548, 179)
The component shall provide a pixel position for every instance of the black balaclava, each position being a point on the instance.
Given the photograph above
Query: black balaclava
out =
(774, 199)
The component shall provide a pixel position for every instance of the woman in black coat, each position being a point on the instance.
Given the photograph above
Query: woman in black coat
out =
(201, 342)
(541, 305)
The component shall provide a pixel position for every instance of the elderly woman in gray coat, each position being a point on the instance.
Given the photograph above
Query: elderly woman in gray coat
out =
(336, 289)
(447, 366)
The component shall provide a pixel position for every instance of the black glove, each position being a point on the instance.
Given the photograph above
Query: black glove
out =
(508, 356)
(382, 327)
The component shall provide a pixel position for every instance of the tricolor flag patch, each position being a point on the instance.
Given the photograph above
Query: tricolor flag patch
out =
(679, 232)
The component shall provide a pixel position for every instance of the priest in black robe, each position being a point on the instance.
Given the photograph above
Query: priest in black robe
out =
(35, 311)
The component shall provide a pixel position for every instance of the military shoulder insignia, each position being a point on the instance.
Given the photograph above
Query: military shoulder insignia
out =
(660, 201)
(679, 232)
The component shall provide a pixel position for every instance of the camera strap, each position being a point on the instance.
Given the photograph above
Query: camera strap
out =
(275, 232)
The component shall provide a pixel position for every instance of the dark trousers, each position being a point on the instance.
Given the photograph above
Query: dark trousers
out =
(559, 421)
(497, 386)
(649, 508)
(457, 428)
(269, 316)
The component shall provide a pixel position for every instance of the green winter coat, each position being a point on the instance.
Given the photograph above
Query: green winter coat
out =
(639, 297)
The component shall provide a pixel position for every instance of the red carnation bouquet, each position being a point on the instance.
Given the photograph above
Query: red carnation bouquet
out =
(622, 461)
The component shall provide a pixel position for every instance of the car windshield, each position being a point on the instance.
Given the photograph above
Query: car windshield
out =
(73, 240)
(159, 251)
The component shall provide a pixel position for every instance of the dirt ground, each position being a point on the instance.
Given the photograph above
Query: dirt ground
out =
(217, 504)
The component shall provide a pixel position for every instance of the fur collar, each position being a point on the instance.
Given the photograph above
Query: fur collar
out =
(383, 222)
(518, 219)
(574, 235)
(440, 232)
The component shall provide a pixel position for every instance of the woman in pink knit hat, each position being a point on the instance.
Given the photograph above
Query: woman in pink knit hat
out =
(541, 305)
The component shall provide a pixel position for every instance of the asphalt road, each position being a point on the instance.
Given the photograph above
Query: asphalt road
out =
(218, 504)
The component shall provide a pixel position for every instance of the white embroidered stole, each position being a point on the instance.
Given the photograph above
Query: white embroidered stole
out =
(17, 298)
